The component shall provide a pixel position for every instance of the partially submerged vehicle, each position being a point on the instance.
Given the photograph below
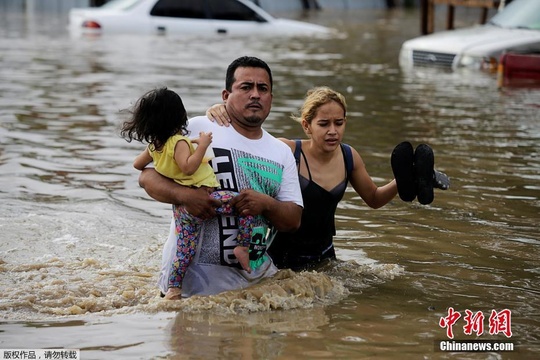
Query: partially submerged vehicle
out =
(519, 70)
(516, 29)
(186, 17)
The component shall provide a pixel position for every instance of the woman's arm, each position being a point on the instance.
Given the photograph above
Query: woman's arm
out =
(374, 196)
(218, 113)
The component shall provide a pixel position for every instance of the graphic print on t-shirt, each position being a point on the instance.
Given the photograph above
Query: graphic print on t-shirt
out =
(237, 170)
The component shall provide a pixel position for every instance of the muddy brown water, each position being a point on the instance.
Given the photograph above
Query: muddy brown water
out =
(81, 242)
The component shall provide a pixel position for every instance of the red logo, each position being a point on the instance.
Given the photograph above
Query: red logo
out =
(499, 322)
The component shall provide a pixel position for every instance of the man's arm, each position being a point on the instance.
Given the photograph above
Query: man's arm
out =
(196, 201)
(284, 215)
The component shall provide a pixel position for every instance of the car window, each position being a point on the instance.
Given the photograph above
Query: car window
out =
(523, 14)
(232, 10)
(193, 9)
(120, 4)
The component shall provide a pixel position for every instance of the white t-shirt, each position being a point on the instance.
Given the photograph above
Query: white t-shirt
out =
(266, 165)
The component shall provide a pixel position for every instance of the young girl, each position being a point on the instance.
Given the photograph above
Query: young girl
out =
(160, 119)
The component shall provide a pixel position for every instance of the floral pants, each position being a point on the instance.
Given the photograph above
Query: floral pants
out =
(187, 228)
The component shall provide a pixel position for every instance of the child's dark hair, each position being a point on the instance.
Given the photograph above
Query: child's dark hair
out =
(156, 116)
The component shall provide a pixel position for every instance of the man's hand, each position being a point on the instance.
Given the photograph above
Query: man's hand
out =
(200, 204)
(284, 215)
(250, 202)
(196, 201)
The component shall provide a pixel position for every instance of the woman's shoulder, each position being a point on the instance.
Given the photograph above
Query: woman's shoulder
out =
(352, 156)
(288, 142)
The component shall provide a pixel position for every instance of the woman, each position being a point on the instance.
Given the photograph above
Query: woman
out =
(325, 167)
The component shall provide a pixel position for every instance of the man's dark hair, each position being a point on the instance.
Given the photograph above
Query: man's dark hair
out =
(246, 61)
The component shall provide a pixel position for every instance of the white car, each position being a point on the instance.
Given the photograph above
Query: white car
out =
(516, 28)
(185, 17)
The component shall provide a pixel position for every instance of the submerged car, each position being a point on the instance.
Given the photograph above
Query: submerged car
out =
(185, 17)
(516, 29)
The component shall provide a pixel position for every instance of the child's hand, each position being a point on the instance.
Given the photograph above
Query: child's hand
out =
(204, 139)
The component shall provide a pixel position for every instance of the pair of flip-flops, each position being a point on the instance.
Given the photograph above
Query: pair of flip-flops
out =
(415, 174)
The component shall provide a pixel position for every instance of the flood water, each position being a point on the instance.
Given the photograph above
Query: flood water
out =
(81, 242)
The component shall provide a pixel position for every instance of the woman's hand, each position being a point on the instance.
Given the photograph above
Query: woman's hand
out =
(218, 113)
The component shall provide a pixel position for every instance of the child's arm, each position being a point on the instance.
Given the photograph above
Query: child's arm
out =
(142, 160)
(187, 162)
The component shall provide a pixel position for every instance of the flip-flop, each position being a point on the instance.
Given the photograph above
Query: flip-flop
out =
(402, 161)
(441, 180)
(423, 167)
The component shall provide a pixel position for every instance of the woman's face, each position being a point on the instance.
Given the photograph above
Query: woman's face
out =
(327, 127)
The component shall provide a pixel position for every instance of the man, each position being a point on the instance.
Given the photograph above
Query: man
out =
(248, 160)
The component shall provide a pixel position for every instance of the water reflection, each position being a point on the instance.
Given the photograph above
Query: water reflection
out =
(253, 336)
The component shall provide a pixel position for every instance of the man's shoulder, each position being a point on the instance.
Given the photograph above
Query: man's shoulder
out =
(276, 143)
(201, 123)
(271, 138)
(200, 120)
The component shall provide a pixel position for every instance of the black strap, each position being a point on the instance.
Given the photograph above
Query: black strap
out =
(297, 152)
(347, 154)
(349, 162)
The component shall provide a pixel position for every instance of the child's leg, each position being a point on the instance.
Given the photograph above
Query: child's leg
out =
(245, 223)
(244, 238)
(187, 231)
(242, 254)
(245, 226)
(224, 196)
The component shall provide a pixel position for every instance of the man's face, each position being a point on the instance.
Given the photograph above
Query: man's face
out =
(250, 100)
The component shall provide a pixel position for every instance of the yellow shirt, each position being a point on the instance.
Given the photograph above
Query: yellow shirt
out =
(165, 164)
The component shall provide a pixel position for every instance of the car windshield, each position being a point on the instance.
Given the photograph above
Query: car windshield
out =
(523, 14)
(119, 4)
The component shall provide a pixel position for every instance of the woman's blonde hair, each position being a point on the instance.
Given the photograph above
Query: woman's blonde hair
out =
(317, 97)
